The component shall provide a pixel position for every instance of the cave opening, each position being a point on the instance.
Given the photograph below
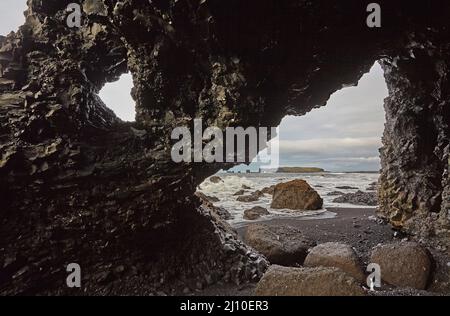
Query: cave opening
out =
(117, 97)
(331, 147)
(107, 194)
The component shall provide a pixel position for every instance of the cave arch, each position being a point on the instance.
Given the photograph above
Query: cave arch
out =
(77, 185)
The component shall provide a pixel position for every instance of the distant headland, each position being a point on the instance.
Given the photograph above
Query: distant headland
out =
(299, 170)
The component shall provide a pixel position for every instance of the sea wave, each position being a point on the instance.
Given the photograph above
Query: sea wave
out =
(323, 183)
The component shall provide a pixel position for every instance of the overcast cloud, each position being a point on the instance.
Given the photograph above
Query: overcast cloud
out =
(11, 15)
(345, 135)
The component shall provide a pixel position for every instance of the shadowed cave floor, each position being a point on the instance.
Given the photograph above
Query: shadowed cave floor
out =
(357, 227)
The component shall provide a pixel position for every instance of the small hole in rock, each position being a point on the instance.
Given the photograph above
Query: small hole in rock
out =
(117, 96)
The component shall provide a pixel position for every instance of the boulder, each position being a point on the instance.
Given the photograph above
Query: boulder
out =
(284, 245)
(346, 187)
(213, 198)
(245, 187)
(338, 255)
(268, 190)
(215, 179)
(255, 213)
(251, 197)
(319, 281)
(240, 192)
(405, 264)
(358, 198)
(335, 193)
(296, 195)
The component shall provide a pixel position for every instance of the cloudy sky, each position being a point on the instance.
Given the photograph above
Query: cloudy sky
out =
(345, 135)
(11, 15)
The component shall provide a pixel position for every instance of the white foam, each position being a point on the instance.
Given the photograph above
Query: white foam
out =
(323, 183)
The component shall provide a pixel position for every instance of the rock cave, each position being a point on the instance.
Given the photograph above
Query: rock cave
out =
(77, 184)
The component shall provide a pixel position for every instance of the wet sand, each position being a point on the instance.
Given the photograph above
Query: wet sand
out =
(351, 225)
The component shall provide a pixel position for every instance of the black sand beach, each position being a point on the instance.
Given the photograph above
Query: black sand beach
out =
(357, 227)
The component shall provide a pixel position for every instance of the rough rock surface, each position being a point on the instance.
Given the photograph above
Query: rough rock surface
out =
(205, 197)
(284, 245)
(358, 198)
(207, 202)
(346, 187)
(268, 190)
(215, 179)
(296, 195)
(76, 183)
(373, 186)
(405, 264)
(334, 193)
(252, 197)
(338, 255)
(255, 213)
(320, 281)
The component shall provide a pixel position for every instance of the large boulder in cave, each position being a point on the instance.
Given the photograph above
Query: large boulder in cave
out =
(79, 185)
(338, 255)
(318, 281)
(405, 264)
(255, 213)
(282, 244)
(296, 195)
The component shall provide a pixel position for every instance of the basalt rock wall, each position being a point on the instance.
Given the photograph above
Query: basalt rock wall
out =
(79, 185)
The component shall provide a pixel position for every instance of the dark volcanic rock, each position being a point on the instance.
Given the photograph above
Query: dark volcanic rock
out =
(334, 193)
(207, 197)
(77, 183)
(215, 179)
(207, 202)
(372, 186)
(213, 198)
(358, 198)
(346, 187)
(223, 213)
(240, 192)
(255, 213)
(254, 196)
(268, 190)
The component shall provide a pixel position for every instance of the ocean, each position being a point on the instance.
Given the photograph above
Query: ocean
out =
(323, 183)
